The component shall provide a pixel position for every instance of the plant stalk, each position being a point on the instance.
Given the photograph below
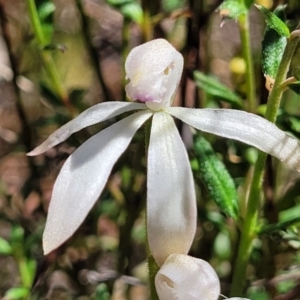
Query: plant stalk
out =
(249, 230)
(244, 28)
(47, 59)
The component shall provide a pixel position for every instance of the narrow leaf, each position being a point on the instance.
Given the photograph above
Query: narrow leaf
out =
(274, 22)
(215, 88)
(17, 293)
(219, 183)
(5, 248)
(279, 226)
(273, 46)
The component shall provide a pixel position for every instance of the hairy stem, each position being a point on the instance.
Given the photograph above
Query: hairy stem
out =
(244, 27)
(249, 230)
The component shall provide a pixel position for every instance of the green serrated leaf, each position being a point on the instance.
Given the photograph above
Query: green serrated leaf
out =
(214, 174)
(5, 248)
(274, 22)
(215, 88)
(232, 9)
(17, 293)
(273, 46)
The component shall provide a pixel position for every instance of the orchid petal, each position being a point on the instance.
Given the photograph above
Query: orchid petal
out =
(95, 114)
(245, 127)
(154, 70)
(83, 177)
(188, 278)
(171, 203)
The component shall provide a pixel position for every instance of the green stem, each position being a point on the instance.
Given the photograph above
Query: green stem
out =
(24, 272)
(47, 59)
(147, 32)
(244, 27)
(153, 269)
(249, 230)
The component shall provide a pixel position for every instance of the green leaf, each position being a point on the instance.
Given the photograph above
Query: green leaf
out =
(5, 248)
(279, 226)
(46, 10)
(214, 174)
(17, 293)
(273, 46)
(102, 292)
(232, 9)
(215, 88)
(130, 9)
(17, 234)
(295, 122)
(133, 11)
(274, 22)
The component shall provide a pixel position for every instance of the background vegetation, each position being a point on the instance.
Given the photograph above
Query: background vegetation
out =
(74, 59)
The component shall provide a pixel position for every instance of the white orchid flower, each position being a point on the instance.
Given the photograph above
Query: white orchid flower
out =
(154, 70)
